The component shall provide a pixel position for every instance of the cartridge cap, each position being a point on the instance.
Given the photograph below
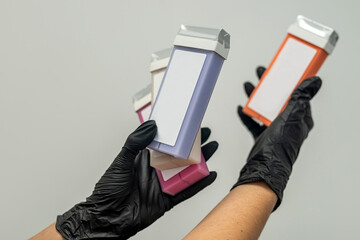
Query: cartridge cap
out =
(141, 98)
(217, 40)
(314, 33)
(160, 59)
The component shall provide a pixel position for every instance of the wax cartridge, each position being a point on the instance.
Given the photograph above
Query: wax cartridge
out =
(158, 160)
(142, 103)
(194, 66)
(300, 56)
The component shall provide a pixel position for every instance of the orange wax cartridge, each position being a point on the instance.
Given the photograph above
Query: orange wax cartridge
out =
(300, 56)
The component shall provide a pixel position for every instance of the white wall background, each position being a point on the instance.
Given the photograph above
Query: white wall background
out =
(68, 70)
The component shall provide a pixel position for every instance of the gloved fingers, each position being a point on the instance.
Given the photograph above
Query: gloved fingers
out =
(250, 124)
(308, 118)
(205, 134)
(141, 137)
(136, 141)
(307, 89)
(299, 105)
(142, 163)
(117, 182)
(194, 189)
(260, 71)
(144, 173)
(209, 149)
(249, 88)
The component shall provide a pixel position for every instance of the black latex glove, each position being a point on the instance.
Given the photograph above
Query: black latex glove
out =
(277, 147)
(254, 128)
(128, 197)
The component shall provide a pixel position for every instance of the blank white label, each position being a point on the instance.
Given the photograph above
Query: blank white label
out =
(169, 173)
(282, 78)
(177, 89)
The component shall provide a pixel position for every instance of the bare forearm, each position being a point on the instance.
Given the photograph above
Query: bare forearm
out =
(49, 233)
(242, 214)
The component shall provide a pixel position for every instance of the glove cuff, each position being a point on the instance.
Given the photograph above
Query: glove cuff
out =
(276, 181)
(70, 224)
(81, 222)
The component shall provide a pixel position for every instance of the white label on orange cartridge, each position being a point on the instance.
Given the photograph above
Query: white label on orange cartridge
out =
(282, 78)
(175, 94)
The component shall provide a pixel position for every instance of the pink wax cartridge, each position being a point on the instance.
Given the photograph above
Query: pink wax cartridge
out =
(175, 180)
(172, 185)
(142, 103)
(158, 160)
(195, 173)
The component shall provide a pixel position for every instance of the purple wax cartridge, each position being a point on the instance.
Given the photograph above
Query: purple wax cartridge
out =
(186, 88)
(158, 160)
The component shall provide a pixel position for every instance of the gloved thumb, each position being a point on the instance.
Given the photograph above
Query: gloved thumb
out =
(141, 137)
(136, 141)
(307, 89)
(298, 108)
(117, 179)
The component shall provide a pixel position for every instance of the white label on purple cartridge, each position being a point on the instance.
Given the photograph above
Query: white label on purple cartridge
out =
(282, 78)
(175, 94)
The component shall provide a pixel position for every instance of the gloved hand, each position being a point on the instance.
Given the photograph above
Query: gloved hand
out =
(128, 197)
(277, 147)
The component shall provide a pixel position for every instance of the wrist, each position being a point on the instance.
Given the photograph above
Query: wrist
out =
(275, 179)
(70, 224)
(49, 233)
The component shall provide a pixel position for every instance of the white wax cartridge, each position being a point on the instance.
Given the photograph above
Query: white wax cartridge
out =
(300, 56)
(158, 64)
(142, 103)
(186, 88)
(164, 161)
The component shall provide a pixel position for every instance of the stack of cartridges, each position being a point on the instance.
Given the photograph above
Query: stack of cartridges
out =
(182, 81)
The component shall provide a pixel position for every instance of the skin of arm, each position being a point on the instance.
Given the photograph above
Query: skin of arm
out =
(48, 233)
(242, 214)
